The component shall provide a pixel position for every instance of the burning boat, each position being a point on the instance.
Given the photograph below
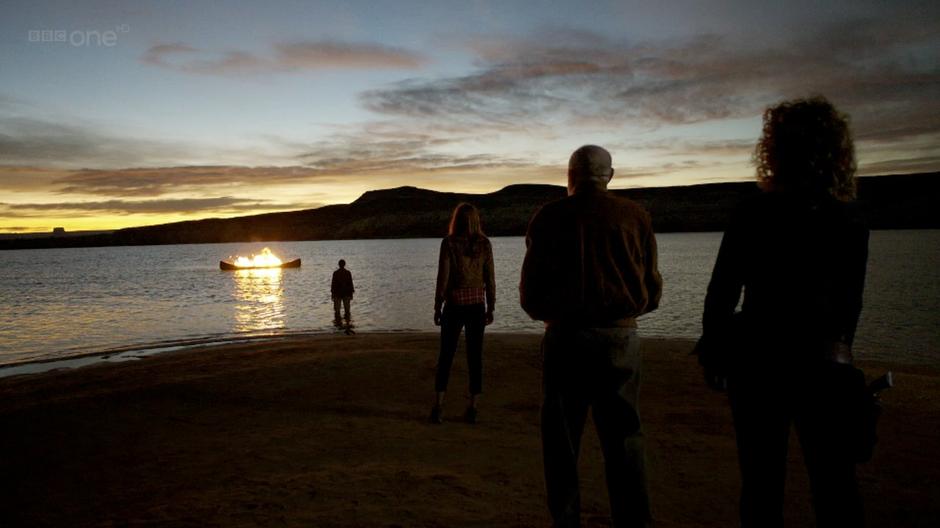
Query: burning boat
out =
(264, 260)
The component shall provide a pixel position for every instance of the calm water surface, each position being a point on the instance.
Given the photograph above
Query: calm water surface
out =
(66, 302)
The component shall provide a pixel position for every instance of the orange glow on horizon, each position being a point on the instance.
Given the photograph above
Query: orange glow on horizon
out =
(109, 222)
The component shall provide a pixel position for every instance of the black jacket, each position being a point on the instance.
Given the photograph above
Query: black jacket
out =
(801, 264)
(342, 285)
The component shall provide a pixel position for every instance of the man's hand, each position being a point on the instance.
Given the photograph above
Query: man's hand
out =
(489, 318)
(840, 352)
(711, 356)
(437, 318)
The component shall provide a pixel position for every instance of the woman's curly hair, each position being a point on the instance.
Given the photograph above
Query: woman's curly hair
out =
(806, 147)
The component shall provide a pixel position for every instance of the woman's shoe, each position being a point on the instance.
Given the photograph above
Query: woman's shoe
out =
(471, 415)
(436, 415)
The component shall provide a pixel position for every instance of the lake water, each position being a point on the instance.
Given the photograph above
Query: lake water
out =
(68, 302)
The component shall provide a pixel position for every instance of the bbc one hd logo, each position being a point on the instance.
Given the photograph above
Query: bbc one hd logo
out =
(78, 38)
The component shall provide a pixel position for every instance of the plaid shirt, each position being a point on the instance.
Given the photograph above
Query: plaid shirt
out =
(468, 267)
(464, 296)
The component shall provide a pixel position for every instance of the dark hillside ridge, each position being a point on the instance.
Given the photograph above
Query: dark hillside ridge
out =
(886, 202)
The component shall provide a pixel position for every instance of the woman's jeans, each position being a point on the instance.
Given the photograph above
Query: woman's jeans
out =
(766, 399)
(453, 319)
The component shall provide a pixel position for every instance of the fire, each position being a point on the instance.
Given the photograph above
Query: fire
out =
(265, 260)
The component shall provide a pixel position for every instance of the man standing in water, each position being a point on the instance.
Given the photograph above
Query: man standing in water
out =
(341, 289)
(590, 269)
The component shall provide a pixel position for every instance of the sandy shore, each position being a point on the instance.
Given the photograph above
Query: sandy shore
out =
(331, 431)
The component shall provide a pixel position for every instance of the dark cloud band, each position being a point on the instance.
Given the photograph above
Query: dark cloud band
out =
(170, 206)
(879, 71)
(286, 57)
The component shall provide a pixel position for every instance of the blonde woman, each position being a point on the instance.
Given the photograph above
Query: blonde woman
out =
(464, 299)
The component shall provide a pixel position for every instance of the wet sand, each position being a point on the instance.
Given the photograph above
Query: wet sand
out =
(331, 431)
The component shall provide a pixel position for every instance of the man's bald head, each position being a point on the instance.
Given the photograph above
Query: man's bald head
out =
(589, 168)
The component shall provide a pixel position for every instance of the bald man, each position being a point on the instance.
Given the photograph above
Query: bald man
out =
(590, 269)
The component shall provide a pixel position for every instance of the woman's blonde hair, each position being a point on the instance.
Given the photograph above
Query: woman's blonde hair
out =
(465, 222)
(806, 147)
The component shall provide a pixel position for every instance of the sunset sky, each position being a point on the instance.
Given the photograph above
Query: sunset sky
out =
(115, 114)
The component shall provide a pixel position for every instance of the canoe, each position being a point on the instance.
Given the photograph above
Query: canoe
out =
(228, 266)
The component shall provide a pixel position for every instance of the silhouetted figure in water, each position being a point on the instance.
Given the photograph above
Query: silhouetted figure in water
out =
(465, 297)
(590, 269)
(799, 253)
(341, 289)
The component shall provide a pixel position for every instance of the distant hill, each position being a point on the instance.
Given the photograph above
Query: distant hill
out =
(888, 202)
(47, 234)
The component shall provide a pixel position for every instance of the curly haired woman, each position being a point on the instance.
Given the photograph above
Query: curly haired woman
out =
(799, 252)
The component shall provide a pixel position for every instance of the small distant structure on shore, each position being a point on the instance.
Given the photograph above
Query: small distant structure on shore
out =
(58, 231)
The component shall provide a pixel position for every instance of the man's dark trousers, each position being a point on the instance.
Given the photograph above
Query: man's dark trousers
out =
(596, 368)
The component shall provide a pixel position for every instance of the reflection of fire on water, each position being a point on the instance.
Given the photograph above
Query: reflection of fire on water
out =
(265, 260)
(259, 299)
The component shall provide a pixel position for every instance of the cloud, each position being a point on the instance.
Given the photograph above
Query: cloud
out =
(592, 79)
(40, 155)
(377, 151)
(285, 57)
(883, 72)
(158, 54)
(536, 92)
(363, 155)
(331, 162)
(27, 178)
(928, 163)
(33, 140)
(418, 163)
(69, 143)
(686, 146)
(220, 205)
(339, 55)
(38, 141)
(367, 155)
(163, 180)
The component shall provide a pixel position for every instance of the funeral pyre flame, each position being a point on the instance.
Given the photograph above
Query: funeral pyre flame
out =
(265, 259)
